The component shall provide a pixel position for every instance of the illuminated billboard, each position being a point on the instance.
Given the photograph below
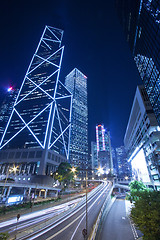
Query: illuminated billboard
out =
(139, 167)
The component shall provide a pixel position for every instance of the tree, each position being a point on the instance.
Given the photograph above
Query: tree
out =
(4, 236)
(146, 214)
(64, 173)
(136, 188)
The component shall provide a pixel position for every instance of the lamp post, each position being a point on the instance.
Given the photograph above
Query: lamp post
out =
(86, 206)
(84, 232)
(100, 170)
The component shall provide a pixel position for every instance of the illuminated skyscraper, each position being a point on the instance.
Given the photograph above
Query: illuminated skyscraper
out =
(141, 25)
(76, 83)
(124, 168)
(41, 116)
(94, 158)
(6, 108)
(104, 151)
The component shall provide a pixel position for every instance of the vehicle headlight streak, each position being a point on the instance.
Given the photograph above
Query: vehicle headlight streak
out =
(67, 215)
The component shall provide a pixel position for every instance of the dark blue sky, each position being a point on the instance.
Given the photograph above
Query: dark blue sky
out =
(94, 43)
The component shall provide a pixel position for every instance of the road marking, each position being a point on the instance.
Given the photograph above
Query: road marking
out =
(88, 211)
(72, 223)
(67, 216)
(65, 227)
(133, 230)
(123, 218)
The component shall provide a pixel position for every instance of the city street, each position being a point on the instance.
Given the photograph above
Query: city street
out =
(63, 222)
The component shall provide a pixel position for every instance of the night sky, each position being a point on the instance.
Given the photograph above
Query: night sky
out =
(94, 43)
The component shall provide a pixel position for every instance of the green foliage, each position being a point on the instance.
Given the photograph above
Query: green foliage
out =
(146, 214)
(4, 236)
(64, 173)
(135, 190)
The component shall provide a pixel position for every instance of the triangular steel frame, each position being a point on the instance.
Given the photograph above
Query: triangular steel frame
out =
(56, 38)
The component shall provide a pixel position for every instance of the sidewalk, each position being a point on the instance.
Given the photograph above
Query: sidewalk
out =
(116, 225)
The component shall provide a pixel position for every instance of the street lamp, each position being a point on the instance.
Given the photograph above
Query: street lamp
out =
(100, 170)
(73, 169)
(126, 178)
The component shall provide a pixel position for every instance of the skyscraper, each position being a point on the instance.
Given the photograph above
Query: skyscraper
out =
(7, 107)
(141, 25)
(104, 150)
(41, 116)
(124, 168)
(76, 83)
(94, 157)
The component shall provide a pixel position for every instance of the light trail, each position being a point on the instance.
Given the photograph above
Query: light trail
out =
(38, 213)
(88, 211)
(79, 206)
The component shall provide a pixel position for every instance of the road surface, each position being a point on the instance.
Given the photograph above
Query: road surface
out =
(116, 225)
(65, 221)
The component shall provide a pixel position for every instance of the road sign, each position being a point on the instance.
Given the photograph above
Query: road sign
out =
(84, 232)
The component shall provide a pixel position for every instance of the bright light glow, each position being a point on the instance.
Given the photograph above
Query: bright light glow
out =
(139, 167)
(126, 177)
(73, 169)
(107, 171)
(10, 89)
(14, 169)
(100, 170)
(14, 199)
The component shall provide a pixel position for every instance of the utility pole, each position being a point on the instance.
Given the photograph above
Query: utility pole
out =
(86, 207)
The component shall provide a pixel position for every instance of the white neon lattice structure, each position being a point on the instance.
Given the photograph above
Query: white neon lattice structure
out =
(42, 112)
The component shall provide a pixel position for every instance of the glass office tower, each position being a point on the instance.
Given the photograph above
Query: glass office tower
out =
(104, 151)
(7, 107)
(76, 83)
(41, 114)
(142, 22)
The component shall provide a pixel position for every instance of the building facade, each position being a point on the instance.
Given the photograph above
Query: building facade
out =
(123, 166)
(41, 116)
(141, 25)
(76, 83)
(104, 150)
(94, 158)
(142, 140)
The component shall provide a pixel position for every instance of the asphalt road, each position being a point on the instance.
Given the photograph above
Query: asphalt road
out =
(71, 226)
(117, 225)
(59, 224)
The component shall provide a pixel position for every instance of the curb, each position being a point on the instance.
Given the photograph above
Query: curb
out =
(100, 215)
